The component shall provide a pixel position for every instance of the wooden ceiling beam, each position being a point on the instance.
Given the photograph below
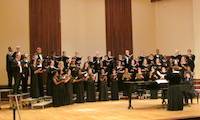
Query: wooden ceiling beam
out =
(155, 0)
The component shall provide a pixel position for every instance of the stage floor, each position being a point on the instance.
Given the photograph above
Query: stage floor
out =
(111, 110)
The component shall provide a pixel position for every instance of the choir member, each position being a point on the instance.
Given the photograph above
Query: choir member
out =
(127, 59)
(9, 70)
(34, 92)
(177, 55)
(18, 50)
(65, 59)
(153, 74)
(106, 63)
(188, 90)
(120, 71)
(178, 68)
(140, 75)
(74, 67)
(77, 59)
(38, 54)
(164, 61)
(79, 82)
(158, 64)
(121, 59)
(90, 62)
(91, 90)
(111, 60)
(151, 60)
(145, 65)
(26, 69)
(171, 62)
(85, 68)
(103, 90)
(40, 76)
(50, 71)
(126, 77)
(183, 63)
(190, 59)
(17, 72)
(161, 74)
(153, 86)
(59, 92)
(133, 69)
(141, 59)
(114, 86)
(158, 55)
(66, 74)
(97, 62)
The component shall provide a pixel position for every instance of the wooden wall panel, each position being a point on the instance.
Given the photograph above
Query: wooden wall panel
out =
(45, 28)
(118, 26)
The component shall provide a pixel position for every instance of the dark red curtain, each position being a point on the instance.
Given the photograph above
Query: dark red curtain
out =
(118, 26)
(45, 29)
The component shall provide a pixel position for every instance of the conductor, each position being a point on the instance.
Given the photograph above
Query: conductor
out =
(175, 96)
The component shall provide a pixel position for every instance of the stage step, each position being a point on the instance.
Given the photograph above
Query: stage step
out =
(41, 104)
(36, 102)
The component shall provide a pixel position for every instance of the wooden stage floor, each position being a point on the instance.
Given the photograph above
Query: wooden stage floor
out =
(111, 110)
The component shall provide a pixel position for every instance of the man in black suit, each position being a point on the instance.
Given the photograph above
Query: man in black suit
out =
(17, 51)
(17, 72)
(9, 60)
(25, 66)
(38, 54)
(191, 59)
(158, 55)
(127, 58)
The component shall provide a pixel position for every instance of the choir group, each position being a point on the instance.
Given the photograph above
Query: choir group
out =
(64, 77)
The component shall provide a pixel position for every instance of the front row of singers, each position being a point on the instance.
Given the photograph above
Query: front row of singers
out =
(65, 86)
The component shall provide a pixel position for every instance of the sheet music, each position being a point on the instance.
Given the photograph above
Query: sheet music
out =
(161, 81)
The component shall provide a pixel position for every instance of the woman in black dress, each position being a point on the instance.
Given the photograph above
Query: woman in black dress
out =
(59, 96)
(125, 77)
(103, 91)
(120, 71)
(50, 70)
(153, 75)
(91, 89)
(188, 91)
(79, 82)
(133, 69)
(140, 76)
(35, 93)
(114, 86)
(68, 82)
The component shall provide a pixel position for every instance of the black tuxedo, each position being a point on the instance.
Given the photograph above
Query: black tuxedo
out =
(127, 61)
(25, 72)
(190, 60)
(9, 60)
(17, 73)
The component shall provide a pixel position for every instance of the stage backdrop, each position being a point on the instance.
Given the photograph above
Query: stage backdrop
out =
(118, 26)
(45, 26)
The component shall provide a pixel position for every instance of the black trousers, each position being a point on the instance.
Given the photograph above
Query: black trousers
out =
(17, 81)
(40, 84)
(25, 84)
(175, 98)
(10, 78)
